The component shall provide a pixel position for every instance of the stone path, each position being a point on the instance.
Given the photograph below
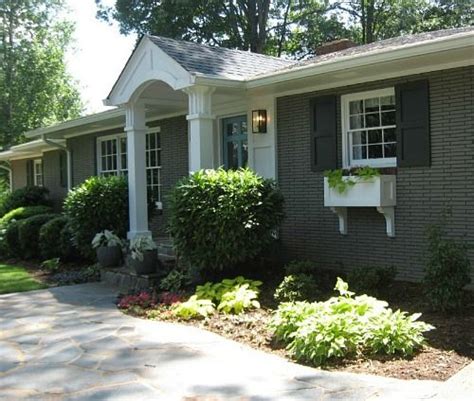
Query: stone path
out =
(71, 343)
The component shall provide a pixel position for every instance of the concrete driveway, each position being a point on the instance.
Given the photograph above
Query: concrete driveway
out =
(71, 343)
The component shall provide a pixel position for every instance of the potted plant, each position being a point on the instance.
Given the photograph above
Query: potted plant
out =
(108, 248)
(144, 255)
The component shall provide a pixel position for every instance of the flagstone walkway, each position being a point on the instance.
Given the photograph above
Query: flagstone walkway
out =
(71, 343)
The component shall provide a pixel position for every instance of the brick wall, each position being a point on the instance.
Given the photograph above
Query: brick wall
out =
(52, 177)
(423, 194)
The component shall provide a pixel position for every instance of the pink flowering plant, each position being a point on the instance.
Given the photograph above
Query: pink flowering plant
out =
(135, 303)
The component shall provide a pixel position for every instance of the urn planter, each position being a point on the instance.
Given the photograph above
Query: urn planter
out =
(109, 256)
(147, 265)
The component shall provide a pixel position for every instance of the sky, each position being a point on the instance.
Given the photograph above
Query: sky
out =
(100, 52)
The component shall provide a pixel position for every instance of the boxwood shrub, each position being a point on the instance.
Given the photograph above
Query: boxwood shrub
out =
(220, 218)
(23, 213)
(100, 203)
(28, 196)
(28, 234)
(51, 243)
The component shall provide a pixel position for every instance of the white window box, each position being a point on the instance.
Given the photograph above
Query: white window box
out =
(378, 192)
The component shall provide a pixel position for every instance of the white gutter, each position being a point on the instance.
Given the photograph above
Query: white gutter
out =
(10, 175)
(68, 158)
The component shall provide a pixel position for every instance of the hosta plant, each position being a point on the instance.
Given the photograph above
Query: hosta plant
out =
(239, 299)
(140, 245)
(193, 308)
(106, 238)
(215, 291)
(346, 325)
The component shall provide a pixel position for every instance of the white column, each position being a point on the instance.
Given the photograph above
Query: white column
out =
(136, 130)
(201, 127)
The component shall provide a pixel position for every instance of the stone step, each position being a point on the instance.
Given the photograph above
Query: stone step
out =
(126, 280)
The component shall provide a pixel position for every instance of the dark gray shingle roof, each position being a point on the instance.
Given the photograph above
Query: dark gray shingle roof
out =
(218, 61)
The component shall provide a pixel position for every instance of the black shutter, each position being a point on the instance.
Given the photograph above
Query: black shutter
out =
(30, 173)
(413, 124)
(324, 133)
(63, 169)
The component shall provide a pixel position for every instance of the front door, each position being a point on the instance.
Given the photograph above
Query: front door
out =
(235, 142)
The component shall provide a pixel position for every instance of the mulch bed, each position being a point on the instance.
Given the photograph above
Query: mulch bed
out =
(450, 347)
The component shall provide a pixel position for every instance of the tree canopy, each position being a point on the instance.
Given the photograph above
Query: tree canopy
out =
(35, 87)
(290, 27)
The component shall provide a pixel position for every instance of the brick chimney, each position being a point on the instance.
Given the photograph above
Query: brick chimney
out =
(334, 46)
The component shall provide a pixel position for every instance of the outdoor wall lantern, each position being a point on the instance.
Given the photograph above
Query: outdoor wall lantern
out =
(259, 121)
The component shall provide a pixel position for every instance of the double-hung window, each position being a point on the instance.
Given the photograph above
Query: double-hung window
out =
(368, 126)
(112, 159)
(38, 172)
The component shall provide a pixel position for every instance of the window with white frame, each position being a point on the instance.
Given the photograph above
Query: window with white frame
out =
(153, 165)
(112, 159)
(38, 172)
(368, 125)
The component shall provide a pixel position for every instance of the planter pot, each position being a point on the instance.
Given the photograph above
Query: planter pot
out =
(147, 265)
(109, 256)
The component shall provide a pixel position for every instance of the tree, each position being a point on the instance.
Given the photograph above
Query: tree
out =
(35, 88)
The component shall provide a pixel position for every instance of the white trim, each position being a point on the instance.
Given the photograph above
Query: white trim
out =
(346, 142)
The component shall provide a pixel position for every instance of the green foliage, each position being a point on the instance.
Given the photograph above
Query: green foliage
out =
(300, 267)
(345, 326)
(50, 243)
(215, 291)
(140, 245)
(9, 242)
(51, 265)
(35, 88)
(106, 238)
(193, 308)
(341, 181)
(371, 279)
(28, 234)
(239, 299)
(175, 281)
(100, 203)
(296, 287)
(447, 271)
(66, 241)
(236, 211)
(28, 196)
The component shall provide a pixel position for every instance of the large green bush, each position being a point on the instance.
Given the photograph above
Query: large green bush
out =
(297, 287)
(10, 242)
(447, 271)
(220, 218)
(373, 280)
(346, 326)
(100, 203)
(28, 234)
(28, 196)
(50, 243)
(23, 213)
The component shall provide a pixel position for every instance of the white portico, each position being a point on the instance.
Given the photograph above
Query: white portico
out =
(207, 84)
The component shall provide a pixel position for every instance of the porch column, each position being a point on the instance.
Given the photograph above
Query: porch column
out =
(201, 127)
(136, 129)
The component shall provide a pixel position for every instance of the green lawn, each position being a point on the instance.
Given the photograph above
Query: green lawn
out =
(17, 279)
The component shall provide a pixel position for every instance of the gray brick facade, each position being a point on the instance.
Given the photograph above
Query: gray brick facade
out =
(424, 194)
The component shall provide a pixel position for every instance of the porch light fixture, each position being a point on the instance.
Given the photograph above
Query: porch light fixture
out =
(259, 121)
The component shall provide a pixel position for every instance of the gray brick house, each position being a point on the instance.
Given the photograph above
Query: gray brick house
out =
(404, 106)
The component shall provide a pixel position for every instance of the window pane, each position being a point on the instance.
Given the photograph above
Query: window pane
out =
(371, 105)
(375, 136)
(229, 129)
(158, 158)
(390, 150)
(375, 151)
(243, 127)
(372, 120)
(152, 159)
(356, 122)
(355, 107)
(245, 154)
(359, 152)
(387, 103)
(389, 135)
(158, 140)
(152, 142)
(124, 162)
(359, 138)
(233, 155)
(123, 145)
(388, 118)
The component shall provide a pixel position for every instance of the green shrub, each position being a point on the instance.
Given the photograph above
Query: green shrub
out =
(100, 203)
(23, 213)
(296, 287)
(300, 267)
(28, 234)
(235, 211)
(67, 244)
(371, 280)
(11, 239)
(447, 271)
(193, 308)
(175, 281)
(28, 196)
(344, 326)
(50, 243)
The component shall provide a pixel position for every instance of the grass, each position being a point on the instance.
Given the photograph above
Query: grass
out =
(17, 279)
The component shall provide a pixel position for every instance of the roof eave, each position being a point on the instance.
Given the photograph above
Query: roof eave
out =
(352, 61)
